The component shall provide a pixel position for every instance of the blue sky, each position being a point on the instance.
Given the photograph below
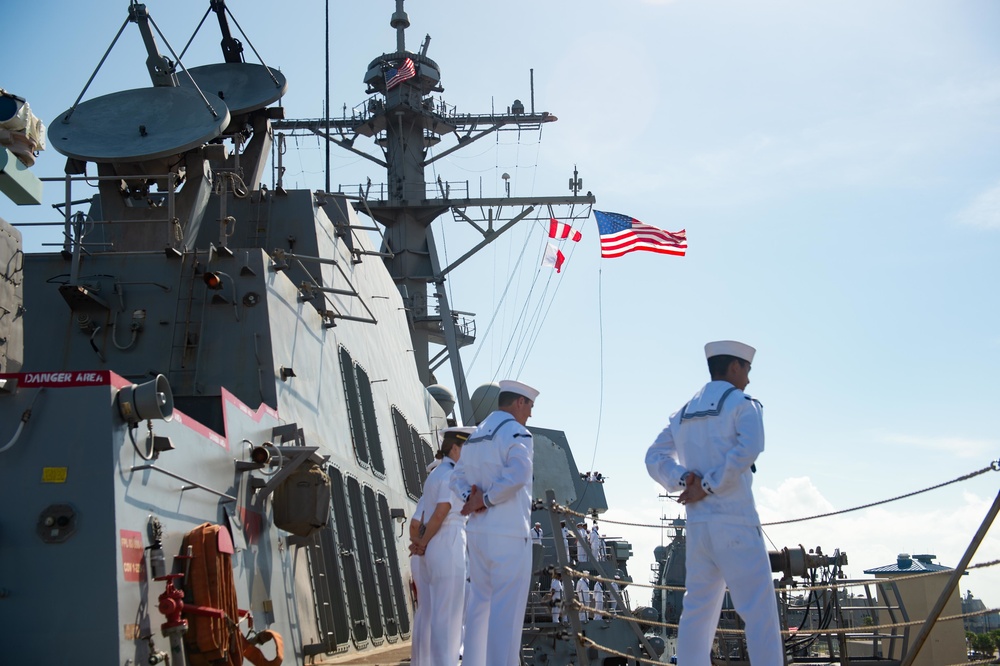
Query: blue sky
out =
(836, 165)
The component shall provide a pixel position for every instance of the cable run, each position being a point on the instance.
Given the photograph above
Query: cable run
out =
(993, 466)
(799, 588)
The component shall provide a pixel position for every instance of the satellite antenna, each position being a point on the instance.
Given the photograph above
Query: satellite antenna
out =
(139, 125)
(142, 124)
(243, 86)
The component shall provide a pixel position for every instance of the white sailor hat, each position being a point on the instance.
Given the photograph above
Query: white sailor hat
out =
(539, 524)
(462, 432)
(730, 348)
(510, 386)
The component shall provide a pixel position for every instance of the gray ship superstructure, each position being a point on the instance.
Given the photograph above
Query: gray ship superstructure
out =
(214, 370)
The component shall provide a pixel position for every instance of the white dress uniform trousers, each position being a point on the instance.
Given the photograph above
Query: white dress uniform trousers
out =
(583, 596)
(556, 588)
(718, 435)
(440, 578)
(598, 598)
(497, 459)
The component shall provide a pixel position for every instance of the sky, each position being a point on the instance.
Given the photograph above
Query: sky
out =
(836, 165)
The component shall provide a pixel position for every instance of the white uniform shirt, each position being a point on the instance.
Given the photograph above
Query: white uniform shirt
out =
(437, 489)
(718, 436)
(597, 544)
(598, 595)
(583, 592)
(536, 535)
(497, 459)
(581, 550)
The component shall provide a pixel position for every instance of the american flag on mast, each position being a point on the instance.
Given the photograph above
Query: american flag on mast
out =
(621, 234)
(558, 229)
(401, 72)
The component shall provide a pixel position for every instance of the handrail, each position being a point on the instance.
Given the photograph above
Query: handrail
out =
(192, 484)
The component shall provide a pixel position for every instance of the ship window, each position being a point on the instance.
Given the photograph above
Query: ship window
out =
(423, 453)
(388, 535)
(354, 413)
(366, 559)
(328, 585)
(381, 562)
(372, 438)
(408, 460)
(349, 561)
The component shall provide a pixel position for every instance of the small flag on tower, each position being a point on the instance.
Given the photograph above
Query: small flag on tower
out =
(553, 257)
(621, 234)
(396, 75)
(559, 230)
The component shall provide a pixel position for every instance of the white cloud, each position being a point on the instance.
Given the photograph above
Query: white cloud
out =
(983, 211)
(960, 447)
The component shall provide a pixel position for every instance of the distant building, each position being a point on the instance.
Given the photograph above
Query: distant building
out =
(978, 624)
(946, 642)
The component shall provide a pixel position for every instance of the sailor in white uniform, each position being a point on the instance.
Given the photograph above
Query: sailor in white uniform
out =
(597, 543)
(612, 600)
(566, 539)
(494, 476)
(598, 599)
(437, 548)
(707, 453)
(536, 534)
(581, 536)
(583, 596)
(556, 589)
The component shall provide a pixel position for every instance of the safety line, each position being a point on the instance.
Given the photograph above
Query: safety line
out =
(576, 606)
(994, 466)
(804, 588)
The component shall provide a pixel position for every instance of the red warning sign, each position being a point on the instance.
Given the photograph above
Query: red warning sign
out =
(131, 543)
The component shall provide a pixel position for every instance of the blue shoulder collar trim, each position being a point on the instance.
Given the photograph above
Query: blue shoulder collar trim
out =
(707, 412)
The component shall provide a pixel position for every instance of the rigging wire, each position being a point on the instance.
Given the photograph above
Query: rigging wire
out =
(518, 325)
(524, 324)
(496, 310)
(600, 389)
(545, 316)
(993, 466)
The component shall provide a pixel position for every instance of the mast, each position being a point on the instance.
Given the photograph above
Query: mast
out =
(405, 122)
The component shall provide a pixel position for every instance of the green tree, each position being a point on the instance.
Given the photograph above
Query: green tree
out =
(983, 643)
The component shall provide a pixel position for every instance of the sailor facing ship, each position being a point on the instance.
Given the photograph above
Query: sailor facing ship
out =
(494, 476)
(706, 452)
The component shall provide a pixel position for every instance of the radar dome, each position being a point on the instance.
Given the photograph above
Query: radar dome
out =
(443, 396)
(484, 401)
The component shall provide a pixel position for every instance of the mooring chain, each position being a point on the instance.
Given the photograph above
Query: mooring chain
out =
(993, 466)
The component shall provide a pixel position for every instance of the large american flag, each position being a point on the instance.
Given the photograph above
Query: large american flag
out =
(621, 234)
(396, 75)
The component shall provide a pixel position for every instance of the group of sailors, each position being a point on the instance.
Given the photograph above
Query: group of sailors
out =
(595, 597)
(574, 540)
(470, 541)
(471, 544)
(706, 453)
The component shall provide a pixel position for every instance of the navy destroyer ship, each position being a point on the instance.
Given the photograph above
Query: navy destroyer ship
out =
(219, 396)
